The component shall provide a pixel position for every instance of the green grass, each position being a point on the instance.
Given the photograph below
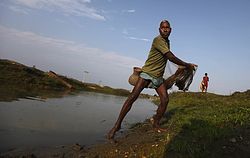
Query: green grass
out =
(19, 81)
(202, 125)
(15, 74)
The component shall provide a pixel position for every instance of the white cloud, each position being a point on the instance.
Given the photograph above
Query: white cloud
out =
(131, 11)
(127, 35)
(67, 7)
(140, 39)
(30, 37)
(128, 11)
(18, 9)
(66, 57)
(125, 31)
(72, 47)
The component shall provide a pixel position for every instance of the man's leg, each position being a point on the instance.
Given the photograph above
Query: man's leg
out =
(163, 94)
(140, 85)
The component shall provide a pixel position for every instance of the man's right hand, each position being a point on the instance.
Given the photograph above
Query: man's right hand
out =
(192, 66)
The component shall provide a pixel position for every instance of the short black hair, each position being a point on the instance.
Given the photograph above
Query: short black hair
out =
(206, 74)
(164, 21)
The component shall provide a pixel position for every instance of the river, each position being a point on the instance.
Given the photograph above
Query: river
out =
(84, 118)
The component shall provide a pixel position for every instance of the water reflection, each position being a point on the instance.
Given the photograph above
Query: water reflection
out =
(84, 118)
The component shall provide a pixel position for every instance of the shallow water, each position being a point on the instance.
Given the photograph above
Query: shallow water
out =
(84, 118)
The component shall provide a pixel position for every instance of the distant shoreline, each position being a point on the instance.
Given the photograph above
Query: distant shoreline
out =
(20, 81)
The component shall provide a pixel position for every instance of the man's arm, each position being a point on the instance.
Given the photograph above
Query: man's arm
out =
(176, 60)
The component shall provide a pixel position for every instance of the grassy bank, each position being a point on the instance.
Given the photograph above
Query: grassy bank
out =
(199, 126)
(208, 125)
(19, 81)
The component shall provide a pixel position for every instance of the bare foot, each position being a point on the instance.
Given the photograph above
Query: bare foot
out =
(112, 132)
(157, 127)
(160, 130)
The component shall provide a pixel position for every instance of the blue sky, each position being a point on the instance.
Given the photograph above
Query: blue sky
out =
(108, 37)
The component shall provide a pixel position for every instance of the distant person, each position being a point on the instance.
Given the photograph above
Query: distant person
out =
(152, 77)
(204, 83)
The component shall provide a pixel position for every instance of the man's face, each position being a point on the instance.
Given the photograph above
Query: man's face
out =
(165, 29)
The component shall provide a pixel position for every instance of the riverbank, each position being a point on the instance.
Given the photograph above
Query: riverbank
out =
(21, 81)
(199, 125)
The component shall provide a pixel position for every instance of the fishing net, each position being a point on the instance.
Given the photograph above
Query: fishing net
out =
(181, 76)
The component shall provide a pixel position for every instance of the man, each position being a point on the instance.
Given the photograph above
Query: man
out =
(205, 83)
(152, 77)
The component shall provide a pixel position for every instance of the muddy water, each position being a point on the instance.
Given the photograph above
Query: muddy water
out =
(84, 118)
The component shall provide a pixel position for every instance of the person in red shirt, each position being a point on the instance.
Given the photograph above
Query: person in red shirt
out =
(204, 83)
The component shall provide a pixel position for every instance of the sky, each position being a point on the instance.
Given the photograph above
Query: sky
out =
(100, 41)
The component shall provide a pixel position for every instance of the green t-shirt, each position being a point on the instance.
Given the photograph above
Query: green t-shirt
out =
(156, 62)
